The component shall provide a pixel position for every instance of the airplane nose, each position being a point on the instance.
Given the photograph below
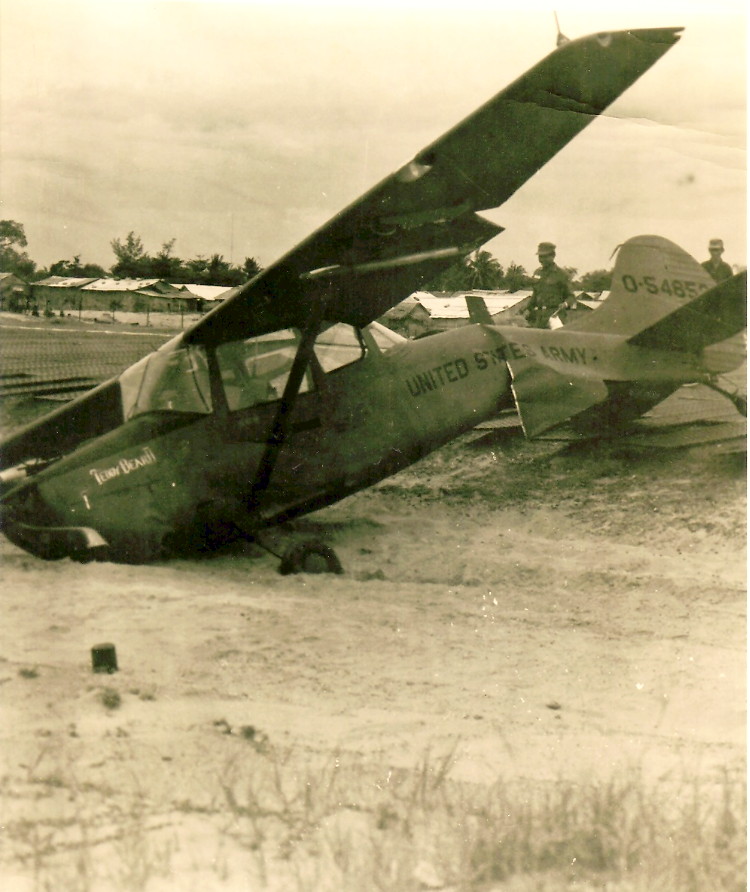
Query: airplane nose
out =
(21, 505)
(27, 521)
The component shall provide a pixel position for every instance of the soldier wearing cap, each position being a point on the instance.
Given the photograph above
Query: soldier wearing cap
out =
(717, 268)
(551, 289)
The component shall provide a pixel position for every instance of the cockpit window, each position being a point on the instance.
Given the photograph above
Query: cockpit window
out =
(174, 380)
(337, 346)
(255, 370)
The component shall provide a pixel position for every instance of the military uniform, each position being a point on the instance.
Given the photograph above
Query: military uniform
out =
(718, 269)
(551, 289)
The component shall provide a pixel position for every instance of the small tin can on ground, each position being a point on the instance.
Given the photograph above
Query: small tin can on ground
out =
(104, 658)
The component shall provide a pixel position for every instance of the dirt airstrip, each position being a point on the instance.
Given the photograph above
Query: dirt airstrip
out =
(534, 614)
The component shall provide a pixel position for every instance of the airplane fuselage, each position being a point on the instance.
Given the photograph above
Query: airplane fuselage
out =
(169, 482)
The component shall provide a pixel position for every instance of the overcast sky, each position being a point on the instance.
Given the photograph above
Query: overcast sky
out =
(238, 127)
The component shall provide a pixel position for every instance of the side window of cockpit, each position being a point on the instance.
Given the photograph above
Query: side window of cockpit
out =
(173, 380)
(255, 370)
(337, 346)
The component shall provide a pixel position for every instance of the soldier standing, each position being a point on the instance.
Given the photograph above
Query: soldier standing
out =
(717, 268)
(551, 289)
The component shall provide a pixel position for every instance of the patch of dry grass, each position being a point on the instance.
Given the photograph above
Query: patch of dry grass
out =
(279, 819)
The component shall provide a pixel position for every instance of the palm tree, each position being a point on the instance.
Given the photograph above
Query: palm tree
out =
(484, 271)
(516, 277)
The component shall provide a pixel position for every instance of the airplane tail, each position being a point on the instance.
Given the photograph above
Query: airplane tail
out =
(662, 297)
(661, 300)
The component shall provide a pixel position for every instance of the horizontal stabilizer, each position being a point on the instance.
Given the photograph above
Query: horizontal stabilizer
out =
(714, 316)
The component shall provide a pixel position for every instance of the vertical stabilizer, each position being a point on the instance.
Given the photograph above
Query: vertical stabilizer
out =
(652, 278)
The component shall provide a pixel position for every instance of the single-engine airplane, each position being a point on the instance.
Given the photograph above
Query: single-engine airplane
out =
(290, 396)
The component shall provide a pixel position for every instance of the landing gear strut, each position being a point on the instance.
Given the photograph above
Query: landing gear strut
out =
(738, 400)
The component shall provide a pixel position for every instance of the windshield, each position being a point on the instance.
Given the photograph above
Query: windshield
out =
(174, 380)
(253, 371)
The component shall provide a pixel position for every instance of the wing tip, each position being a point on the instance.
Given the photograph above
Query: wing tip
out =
(666, 37)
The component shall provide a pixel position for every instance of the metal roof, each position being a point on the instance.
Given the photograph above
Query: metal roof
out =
(452, 304)
(100, 284)
(120, 284)
(65, 281)
(207, 292)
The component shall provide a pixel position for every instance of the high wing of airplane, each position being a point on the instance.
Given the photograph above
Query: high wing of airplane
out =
(288, 396)
(420, 219)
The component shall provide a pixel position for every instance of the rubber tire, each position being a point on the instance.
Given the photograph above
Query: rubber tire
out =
(310, 556)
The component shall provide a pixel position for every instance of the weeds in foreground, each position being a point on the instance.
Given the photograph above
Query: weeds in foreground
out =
(418, 829)
(279, 819)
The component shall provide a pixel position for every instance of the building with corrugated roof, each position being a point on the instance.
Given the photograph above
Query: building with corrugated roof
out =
(450, 310)
(428, 311)
(408, 318)
(14, 293)
(65, 294)
(210, 293)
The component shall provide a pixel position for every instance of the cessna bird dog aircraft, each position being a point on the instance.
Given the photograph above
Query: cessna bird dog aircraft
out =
(289, 396)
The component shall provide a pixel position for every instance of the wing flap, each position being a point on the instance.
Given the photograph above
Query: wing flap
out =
(358, 287)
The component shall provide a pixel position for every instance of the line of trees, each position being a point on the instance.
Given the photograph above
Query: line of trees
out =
(480, 270)
(132, 261)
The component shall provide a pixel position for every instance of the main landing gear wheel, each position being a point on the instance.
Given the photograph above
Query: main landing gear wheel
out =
(310, 557)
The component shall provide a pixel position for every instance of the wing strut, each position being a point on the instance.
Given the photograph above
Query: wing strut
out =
(280, 427)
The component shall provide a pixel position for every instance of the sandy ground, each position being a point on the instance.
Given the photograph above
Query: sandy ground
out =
(536, 612)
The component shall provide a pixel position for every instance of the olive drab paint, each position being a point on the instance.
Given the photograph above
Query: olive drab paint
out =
(289, 395)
